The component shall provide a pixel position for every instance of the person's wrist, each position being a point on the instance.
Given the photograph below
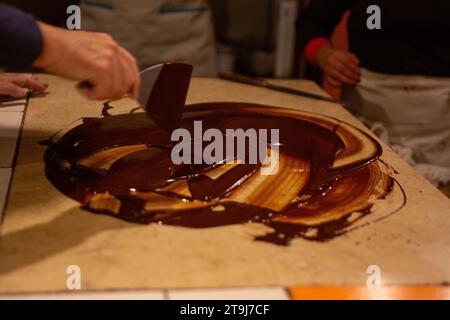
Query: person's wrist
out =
(313, 46)
(51, 46)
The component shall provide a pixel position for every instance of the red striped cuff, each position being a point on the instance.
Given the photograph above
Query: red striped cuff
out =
(313, 47)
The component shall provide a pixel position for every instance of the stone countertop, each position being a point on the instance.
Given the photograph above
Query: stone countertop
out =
(44, 232)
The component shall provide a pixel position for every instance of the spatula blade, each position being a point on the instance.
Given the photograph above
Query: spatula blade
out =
(163, 93)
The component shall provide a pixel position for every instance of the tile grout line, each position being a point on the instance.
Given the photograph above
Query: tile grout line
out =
(13, 163)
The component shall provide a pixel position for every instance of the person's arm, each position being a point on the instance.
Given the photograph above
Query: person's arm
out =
(22, 41)
(315, 26)
(89, 57)
(77, 55)
(21, 38)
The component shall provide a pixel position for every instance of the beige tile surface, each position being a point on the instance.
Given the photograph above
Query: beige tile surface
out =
(44, 231)
(100, 295)
(9, 130)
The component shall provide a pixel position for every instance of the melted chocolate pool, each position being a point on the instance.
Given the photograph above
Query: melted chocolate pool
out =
(121, 166)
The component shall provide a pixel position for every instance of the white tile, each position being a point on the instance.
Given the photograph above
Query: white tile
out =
(9, 130)
(11, 105)
(5, 175)
(269, 293)
(89, 295)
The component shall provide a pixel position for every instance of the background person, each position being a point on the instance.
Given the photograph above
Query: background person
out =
(396, 78)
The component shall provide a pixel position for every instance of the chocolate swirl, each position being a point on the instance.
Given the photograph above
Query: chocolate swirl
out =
(329, 176)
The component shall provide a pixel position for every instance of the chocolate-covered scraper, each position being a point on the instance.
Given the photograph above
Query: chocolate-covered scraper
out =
(163, 92)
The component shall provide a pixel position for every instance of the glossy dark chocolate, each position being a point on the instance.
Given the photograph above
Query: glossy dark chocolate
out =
(121, 165)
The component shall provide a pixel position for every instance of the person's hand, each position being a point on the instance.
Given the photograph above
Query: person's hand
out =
(339, 67)
(90, 58)
(17, 85)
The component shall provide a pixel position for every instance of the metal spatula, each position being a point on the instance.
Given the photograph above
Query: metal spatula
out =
(163, 92)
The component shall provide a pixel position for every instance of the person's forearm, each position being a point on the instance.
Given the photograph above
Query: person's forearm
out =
(21, 36)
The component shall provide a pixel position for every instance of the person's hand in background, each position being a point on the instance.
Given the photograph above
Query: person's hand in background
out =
(17, 85)
(339, 67)
(93, 58)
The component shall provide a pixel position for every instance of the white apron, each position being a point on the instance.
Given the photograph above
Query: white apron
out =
(156, 31)
(413, 112)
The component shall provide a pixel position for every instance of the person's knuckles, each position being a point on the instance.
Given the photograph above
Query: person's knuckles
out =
(33, 84)
(352, 65)
(355, 70)
(333, 59)
(333, 81)
(334, 74)
(340, 55)
(131, 62)
(123, 80)
(130, 74)
(349, 73)
(112, 46)
(102, 68)
(348, 80)
(341, 76)
(101, 36)
(340, 68)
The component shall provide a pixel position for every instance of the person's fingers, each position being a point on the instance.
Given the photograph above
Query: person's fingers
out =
(351, 68)
(132, 72)
(27, 82)
(333, 82)
(104, 79)
(111, 88)
(346, 71)
(354, 58)
(135, 87)
(93, 58)
(338, 71)
(126, 70)
(347, 58)
(119, 77)
(33, 84)
(10, 89)
(337, 74)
